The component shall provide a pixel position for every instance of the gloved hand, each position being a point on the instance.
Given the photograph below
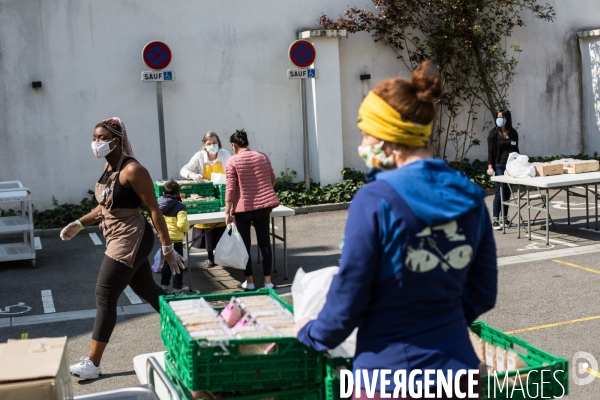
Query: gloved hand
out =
(70, 230)
(491, 172)
(174, 259)
(196, 177)
(300, 324)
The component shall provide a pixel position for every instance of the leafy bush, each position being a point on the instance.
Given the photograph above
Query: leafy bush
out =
(60, 215)
(294, 194)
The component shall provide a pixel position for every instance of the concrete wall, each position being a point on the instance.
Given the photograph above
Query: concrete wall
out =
(230, 60)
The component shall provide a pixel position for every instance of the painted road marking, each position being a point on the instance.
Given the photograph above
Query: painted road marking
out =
(95, 239)
(48, 302)
(548, 255)
(133, 298)
(535, 328)
(71, 315)
(592, 372)
(577, 266)
(569, 244)
(37, 243)
(589, 230)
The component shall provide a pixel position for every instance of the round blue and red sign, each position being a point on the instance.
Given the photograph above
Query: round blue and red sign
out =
(302, 53)
(156, 55)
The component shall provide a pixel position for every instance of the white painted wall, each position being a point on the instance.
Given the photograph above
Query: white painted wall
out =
(230, 60)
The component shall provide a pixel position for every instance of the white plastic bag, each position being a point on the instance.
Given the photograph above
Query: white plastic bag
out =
(156, 267)
(218, 178)
(309, 292)
(231, 251)
(518, 166)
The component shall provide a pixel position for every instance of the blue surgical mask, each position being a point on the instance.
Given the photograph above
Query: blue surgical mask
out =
(500, 122)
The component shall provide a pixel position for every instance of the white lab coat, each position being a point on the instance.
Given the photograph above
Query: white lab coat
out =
(196, 164)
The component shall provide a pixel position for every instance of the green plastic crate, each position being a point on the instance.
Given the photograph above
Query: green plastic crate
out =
(332, 376)
(200, 207)
(220, 190)
(217, 366)
(535, 358)
(301, 393)
(204, 189)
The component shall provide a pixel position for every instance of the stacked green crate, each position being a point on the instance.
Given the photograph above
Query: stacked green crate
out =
(220, 366)
(333, 366)
(201, 207)
(187, 188)
(220, 193)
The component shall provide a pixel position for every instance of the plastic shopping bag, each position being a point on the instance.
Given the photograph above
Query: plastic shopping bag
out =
(218, 178)
(231, 251)
(156, 267)
(309, 292)
(518, 166)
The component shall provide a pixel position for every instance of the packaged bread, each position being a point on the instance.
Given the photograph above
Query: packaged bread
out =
(257, 348)
(247, 320)
(478, 345)
(199, 320)
(257, 301)
(190, 304)
(500, 359)
(514, 362)
(232, 312)
(289, 332)
(490, 355)
(256, 333)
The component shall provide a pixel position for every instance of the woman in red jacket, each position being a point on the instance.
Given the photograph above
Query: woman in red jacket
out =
(249, 199)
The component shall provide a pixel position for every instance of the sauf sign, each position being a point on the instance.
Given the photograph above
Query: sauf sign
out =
(158, 76)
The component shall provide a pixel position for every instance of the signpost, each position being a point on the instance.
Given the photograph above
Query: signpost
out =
(157, 56)
(302, 54)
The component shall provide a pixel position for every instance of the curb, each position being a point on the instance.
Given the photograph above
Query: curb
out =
(322, 208)
(49, 232)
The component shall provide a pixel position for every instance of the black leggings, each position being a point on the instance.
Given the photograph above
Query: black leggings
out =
(260, 220)
(114, 278)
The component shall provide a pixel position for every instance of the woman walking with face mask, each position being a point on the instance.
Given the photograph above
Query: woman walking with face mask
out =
(418, 262)
(502, 141)
(212, 158)
(123, 187)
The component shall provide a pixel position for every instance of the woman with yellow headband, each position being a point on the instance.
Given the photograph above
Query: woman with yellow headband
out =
(418, 263)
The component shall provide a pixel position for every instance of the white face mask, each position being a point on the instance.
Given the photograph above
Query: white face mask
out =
(374, 156)
(500, 122)
(213, 148)
(102, 149)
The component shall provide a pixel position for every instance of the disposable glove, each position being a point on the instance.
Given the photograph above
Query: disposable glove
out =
(196, 177)
(491, 172)
(300, 324)
(174, 259)
(70, 230)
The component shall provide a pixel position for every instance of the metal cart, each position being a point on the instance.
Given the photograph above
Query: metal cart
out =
(13, 191)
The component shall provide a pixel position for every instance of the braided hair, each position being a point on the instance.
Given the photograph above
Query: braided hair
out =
(116, 126)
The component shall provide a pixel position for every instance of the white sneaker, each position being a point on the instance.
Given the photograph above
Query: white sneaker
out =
(85, 369)
(269, 285)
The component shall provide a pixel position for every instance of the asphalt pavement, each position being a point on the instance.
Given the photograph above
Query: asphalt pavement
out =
(548, 294)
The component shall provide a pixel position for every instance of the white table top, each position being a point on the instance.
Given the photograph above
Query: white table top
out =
(549, 182)
(139, 365)
(216, 217)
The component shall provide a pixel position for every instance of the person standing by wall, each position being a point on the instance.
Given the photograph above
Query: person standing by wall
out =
(249, 200)
(418, 262)
(123, 187)
(502, 140)
(212, 158)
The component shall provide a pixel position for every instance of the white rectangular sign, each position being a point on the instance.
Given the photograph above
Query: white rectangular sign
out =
(158, 76)
(302, 73)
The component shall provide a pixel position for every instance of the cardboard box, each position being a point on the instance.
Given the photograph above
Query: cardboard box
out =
(35, 369)
(581, 166)
(547, 169)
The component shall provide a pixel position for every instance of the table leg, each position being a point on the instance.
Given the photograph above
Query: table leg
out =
(587, 208)
(501, 222)
(596, 202)
(547, 218)
(568, 207)
(285, 265)
(528, 214)
(518, 212)
(274, 252)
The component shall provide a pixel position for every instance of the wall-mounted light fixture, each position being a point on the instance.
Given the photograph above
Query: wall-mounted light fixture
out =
(37, 84)
(364, 83)
(365, 77)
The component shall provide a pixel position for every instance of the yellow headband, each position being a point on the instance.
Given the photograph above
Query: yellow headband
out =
(377, 118)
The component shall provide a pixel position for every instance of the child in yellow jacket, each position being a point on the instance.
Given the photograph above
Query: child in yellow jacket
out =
(177, 222)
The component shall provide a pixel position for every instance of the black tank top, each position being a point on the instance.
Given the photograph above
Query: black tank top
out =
(122, 197)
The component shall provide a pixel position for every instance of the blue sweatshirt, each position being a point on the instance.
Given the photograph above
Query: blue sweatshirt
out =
(418, 266)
